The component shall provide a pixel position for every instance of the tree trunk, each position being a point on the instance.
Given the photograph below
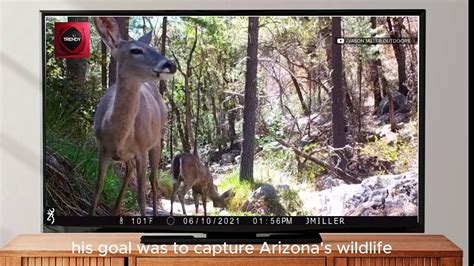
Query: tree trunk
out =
(374, 66)
(103, 64)
(391, 109)
(123, 29)
(297, 86)
(359, 78)
(328, 49)
(221, 117)
(214, 114)
(338, 120)
(310, 103)
(144, 25)
(413, 57)
(347, 94)
(250, 102)
(231, 117)
(76, 68)
(163, 51)
(187, 94)
(391, 112)
(171, 125)
(395, 32)
(179, 126)
(196, 125)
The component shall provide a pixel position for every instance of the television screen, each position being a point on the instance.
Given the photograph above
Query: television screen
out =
(258, 121)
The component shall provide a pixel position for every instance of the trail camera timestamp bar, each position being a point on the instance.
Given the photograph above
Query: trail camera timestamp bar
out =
(321, 221)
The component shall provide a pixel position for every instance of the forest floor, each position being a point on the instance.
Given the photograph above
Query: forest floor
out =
(303, 194)
(393, 190)
(164, 208)
(390, 192)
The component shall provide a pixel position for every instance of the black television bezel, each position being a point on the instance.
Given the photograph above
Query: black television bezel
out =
(417, 228)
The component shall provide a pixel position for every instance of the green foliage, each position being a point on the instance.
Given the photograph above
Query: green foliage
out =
(83, 156)
(165, 183)
(70, 106)
(291, 201)
(401, 152)
(311, 171)
(139, 26)
(215, 68)
(359, 27)
(279, 158)
(241, 190)
(381, 148)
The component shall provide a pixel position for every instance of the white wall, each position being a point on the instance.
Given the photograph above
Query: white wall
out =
(446, 112)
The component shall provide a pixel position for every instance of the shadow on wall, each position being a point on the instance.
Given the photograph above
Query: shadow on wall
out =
(9, 63)
(15, 153)
(7, 142)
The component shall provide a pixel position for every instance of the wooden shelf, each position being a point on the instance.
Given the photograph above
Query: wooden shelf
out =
(56, 249)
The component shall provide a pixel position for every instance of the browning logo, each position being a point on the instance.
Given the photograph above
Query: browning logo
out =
(71, 39)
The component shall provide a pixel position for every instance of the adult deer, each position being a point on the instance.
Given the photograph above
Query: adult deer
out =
(130, 117)
(189, 170)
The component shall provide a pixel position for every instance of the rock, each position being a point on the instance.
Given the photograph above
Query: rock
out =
(315, 119)
(399, 103)
(214, 156)
(219, 170)
(275, 146)
(391, 195)
(328, 202)
(237, 159)
(223, 212)
(386, 133)
(236, 146)
(328, 181)
(388, 195)
(399, 118)
(402, 117)
(264, 201)
(265, 191)
(227, 158)
(283, 187)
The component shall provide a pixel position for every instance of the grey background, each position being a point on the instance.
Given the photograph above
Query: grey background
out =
(446, 102)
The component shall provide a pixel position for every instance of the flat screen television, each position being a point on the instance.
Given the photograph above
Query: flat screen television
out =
(221, 122)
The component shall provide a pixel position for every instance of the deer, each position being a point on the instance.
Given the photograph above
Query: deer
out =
(131, 115)
(188, 169)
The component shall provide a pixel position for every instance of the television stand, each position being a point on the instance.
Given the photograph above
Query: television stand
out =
(233, 238)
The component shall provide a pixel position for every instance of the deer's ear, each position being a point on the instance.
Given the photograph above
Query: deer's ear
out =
(146, 38)
(108, 30)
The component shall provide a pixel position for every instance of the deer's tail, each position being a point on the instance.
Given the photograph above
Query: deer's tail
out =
(177, 168)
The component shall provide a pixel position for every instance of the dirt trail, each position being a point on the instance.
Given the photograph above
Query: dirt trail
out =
(218, 172)
(164, 209)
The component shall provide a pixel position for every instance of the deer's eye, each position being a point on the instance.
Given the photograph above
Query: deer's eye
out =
(136, 51)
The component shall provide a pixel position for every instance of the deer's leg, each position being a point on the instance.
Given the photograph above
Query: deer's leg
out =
(196, 200)
(181, 195)
(126, 182)
(204, 203)
(173, 194)
(99, 184)
(154, 154)
(141, 173)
